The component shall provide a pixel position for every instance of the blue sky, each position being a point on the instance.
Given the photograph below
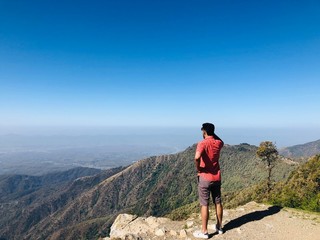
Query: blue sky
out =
(239, 64)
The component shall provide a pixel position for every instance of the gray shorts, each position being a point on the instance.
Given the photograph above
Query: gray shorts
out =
(207, 187)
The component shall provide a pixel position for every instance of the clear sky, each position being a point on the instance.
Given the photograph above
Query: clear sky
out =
(160, 63)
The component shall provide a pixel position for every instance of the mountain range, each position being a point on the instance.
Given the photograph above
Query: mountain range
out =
(83, 203)
(302, 150)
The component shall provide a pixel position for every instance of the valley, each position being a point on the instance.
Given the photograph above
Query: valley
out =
(85, 203)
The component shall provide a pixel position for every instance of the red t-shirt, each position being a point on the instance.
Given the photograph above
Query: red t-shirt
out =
(209, 148)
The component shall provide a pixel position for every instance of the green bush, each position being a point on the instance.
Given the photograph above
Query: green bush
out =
(302, 189)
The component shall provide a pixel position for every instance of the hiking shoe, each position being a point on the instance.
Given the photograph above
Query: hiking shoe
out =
(218, 230)
(199, 234)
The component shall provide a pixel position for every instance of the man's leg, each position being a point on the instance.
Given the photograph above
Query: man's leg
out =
(216, 197)
(204, 196)
(204, 218)
(219, 214)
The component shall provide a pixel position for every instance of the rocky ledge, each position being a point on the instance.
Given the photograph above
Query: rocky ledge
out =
(131, 227)
(249, 222)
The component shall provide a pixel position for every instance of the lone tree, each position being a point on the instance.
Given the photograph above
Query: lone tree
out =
(268, 153)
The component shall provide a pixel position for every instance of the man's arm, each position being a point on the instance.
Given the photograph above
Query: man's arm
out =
(197, 161)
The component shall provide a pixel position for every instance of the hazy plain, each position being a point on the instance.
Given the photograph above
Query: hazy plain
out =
(35, 151)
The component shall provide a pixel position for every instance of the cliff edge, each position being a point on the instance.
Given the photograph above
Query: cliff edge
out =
(251, 221)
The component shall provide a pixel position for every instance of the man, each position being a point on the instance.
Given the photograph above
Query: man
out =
(209, 177)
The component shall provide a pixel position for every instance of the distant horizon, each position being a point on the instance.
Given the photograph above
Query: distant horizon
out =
(182, 136)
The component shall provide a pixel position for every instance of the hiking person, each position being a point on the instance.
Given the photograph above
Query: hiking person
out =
(209, 178)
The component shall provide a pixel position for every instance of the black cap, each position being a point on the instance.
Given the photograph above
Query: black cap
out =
(209, 128)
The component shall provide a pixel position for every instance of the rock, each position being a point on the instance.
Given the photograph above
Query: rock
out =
(127, 225)
(173, 233)
(154, 222)
(160, 232)
(189, 224)
(183, 233)
(123, 219)
(132, 227)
